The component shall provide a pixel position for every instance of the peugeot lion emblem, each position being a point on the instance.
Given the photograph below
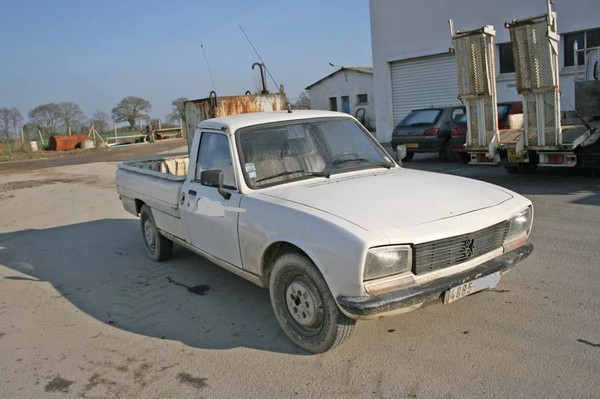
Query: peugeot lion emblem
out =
(469, 247)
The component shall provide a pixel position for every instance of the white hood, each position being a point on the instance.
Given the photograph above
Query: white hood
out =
(394, 198)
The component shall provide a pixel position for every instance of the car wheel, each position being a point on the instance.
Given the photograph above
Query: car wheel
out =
(409, 156)
(463, 157)
(157, 246)
(446, 154)
(304, 306)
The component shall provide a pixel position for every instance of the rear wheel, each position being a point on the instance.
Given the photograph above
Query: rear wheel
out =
(592, 172)
(157, 246)
(304, 306)
(446, 154)
(409, 156)
(527, 168)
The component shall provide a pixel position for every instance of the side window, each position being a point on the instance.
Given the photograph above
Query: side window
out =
(214, 154)
(457, 114)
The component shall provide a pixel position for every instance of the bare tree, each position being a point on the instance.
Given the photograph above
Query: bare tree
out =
(16, 121)
(178, 110)
(5, 123)
(70, 115)
(131, 109)
(46, 117)
(303, 101)
(100, 120)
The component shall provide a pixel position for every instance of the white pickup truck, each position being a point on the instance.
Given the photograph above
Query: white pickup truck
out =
(310, 206)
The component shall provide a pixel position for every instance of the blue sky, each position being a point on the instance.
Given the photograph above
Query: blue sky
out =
(97, 52)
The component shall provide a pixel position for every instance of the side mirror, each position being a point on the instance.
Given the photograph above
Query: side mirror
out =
(214, 178)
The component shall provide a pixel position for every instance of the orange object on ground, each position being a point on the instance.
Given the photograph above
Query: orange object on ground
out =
(65, 143)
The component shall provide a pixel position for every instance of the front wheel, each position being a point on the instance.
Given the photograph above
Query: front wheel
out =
(157, 246)
(304, 306)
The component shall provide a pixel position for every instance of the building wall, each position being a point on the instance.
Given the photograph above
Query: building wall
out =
(413, 28)
(345, 83)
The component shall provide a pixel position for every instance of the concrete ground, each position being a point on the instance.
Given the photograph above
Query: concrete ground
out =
(85, 313)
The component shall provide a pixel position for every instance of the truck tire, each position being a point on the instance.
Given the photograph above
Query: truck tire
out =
(463, 157)
(304, 306)
(446, 154)
(158, 247)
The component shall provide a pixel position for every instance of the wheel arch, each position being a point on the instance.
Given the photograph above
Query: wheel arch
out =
(274, 250)
(138, 205)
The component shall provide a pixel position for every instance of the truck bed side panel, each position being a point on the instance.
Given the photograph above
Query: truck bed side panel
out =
(160, 194)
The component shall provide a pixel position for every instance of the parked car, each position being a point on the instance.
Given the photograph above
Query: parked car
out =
(427, 130)
(458, 137)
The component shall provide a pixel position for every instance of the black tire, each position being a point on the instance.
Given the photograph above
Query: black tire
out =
(157, 246)
(446, 154)
(304, 306)
(526, 168)
(409, 156)
(463, 157)
(592, 172)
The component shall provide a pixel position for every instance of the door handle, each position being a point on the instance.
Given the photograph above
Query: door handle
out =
(192, 192)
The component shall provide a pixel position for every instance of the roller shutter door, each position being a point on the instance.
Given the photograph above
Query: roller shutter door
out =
(423, 83)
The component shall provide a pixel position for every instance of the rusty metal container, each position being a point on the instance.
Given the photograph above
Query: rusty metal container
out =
(214, 107)
(65, 143)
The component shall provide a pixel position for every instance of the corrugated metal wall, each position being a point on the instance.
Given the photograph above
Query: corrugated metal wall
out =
(423, 83)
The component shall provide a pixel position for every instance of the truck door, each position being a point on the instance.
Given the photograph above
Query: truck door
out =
(210, 219)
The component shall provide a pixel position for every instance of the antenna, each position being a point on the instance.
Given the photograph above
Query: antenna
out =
(258, 55)
(208, 67)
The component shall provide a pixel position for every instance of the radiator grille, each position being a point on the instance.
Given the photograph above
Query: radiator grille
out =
(436, 255)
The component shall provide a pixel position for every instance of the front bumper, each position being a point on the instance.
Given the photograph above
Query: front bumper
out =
(417, 295)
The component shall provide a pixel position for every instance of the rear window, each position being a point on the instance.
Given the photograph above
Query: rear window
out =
(422, 117)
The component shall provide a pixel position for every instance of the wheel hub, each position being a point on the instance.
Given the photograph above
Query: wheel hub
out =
(149, 234)
(304, 306)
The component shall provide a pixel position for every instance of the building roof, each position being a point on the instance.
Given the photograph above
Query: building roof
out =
(359, 69)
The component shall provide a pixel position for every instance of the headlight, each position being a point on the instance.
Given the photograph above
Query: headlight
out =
(520, 225)
(387, 261)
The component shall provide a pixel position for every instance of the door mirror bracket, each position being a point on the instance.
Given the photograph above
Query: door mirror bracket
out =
(214, 178)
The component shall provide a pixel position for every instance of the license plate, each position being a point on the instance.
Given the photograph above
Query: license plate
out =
(471, 287)
(411, 145)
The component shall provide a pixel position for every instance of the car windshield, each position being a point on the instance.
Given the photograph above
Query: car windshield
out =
(421, 117)
(278, 153)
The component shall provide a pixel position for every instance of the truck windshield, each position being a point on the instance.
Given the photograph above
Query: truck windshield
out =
(278, 153)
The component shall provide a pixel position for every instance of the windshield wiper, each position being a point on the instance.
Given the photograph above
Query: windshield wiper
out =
(386, 165)
(287, 173)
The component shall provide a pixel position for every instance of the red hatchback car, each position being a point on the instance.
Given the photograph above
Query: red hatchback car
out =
(458, 136)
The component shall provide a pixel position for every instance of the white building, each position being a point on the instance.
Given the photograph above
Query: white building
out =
(348, 89)
(414, 66)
